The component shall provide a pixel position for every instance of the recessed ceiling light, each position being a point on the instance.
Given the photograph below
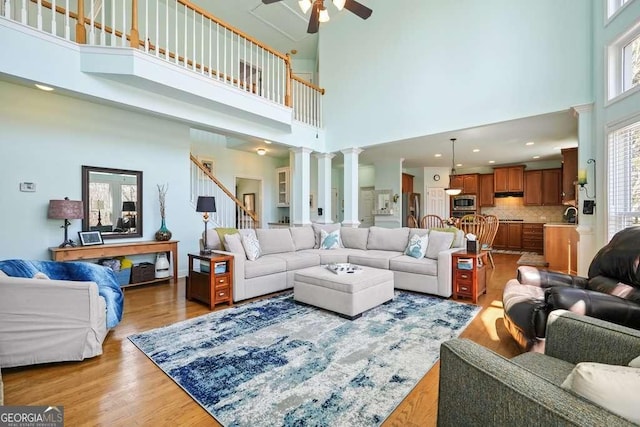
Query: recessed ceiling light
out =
(492, 161)
(536, 157)
(43, 87)
(437, 155)
(267, 142)
(530, 143)
(476, 150)
(261, 151)
(458, 165)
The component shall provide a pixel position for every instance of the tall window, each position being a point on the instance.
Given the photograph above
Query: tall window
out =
(631, 64)
(614, 5)
(624, 178)
(624, 64)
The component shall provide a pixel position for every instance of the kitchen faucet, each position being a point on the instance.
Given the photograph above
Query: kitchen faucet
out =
(575, 214)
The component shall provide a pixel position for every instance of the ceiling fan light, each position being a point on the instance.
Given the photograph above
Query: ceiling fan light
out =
(324, 15)
(339, 4)
(305, 5)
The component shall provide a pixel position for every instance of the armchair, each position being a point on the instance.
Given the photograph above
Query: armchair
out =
(611, 292)
(479, 387)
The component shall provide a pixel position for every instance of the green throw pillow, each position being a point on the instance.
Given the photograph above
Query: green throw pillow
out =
(456, 236)
(222, 232)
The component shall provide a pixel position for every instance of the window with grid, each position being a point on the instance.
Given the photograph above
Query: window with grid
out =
(623, 57)
(624, 178)
(631, 64)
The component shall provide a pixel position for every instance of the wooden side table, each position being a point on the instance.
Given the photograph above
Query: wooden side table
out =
(469, 282)
(210, 287)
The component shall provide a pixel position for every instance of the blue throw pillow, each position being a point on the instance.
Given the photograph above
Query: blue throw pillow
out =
(417, 246)
(330, 240)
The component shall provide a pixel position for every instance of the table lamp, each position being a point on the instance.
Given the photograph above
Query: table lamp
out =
(206, 204)
(129, 207)
(65, 209)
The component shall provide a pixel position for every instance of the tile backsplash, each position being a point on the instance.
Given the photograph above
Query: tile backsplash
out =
(513, 208)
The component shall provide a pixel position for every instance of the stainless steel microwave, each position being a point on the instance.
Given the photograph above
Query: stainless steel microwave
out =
(464, 202)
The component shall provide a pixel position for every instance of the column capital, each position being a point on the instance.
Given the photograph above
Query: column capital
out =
(301, 150)
(353, 150)
(582, 108)
(328, 156)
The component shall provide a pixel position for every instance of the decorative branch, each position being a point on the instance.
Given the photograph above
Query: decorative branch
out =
(162, 194)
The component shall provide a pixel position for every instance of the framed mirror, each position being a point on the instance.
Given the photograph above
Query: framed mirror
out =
(112, 202)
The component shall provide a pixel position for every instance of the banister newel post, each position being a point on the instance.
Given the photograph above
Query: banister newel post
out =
(287, 95)
(81, 31)
(134, 39)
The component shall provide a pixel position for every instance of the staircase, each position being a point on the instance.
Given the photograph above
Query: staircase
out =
(230, 212)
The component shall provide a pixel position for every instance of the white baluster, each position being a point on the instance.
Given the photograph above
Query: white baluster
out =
(54, 15)
(23, 12)
(39, 18)
(166, 38)
(193, 36)
(124, 26)
(146, 26)
(186, 38)
(113, 24)
(103, 33)
(7, 9)
(210, 46)
(176, 27)
(92, 28)
(202, 62)
(218, 50)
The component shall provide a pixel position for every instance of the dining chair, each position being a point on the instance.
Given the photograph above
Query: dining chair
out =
(490, 234)
(474, 224)
(431, 221)
(412, 222)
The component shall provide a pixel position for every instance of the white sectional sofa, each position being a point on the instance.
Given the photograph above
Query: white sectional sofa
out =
(286, 250)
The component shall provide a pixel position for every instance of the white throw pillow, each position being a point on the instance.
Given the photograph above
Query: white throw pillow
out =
(438, 241)
(233, 244)
(635, 363)
(330, 240)
(615, 388)
(251, 246)
(41, 275)
(417, 246)
(3, 274)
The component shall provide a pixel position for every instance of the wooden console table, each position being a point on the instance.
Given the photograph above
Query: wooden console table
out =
(118, 249)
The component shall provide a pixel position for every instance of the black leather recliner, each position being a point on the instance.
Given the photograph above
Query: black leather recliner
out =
(611, 292)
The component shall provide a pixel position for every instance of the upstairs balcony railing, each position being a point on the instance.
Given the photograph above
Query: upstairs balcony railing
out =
(180, 33)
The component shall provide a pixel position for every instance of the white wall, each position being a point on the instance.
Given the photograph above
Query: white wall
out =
(433, 66)
(388, 176)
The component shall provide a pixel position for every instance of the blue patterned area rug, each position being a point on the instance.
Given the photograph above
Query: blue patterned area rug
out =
(275, 362)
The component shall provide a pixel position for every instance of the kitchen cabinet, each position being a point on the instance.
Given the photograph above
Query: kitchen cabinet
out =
(508, 179)
(533, 237)
(407, 183)
(282, 175)
(509, 236)
(569, 175)
(486, 190)
(468, 183)
(542, 187)
(561, 247)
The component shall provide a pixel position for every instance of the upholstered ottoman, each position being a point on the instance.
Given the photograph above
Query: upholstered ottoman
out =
(347, 294)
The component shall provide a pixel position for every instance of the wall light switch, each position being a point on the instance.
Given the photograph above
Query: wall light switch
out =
(28, 187)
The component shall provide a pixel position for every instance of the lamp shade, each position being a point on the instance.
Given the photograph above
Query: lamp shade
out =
(128, 206)
(206, 204)
(65, 209)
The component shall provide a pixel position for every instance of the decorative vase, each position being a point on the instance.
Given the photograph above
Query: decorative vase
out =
(162, 265)
(163, 234)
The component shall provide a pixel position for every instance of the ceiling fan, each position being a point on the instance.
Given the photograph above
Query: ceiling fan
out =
(319, 12)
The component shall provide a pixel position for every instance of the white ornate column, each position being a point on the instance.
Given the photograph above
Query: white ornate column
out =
(587, 246)
(351, 189)
(324, 186)
(300, 186)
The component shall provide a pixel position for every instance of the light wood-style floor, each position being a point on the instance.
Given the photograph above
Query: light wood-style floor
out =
(123, 387)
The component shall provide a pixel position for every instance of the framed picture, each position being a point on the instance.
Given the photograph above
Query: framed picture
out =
(249, 201)
(207, 163)
(90, 238)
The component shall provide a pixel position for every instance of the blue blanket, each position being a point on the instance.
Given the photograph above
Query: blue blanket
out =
(108, 287)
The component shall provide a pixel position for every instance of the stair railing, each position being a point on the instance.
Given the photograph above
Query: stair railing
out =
(230, 212)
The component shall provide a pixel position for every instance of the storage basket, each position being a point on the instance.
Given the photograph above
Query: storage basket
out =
(143, 272)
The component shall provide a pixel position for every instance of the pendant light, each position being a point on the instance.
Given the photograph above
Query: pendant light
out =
(450, 190)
